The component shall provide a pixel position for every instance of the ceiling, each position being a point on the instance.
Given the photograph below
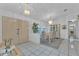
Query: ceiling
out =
(43, 11)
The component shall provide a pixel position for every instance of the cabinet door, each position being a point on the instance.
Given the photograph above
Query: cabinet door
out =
(23, 31)
(9, 29)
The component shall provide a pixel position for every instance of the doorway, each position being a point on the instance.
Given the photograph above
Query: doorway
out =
(52, 38)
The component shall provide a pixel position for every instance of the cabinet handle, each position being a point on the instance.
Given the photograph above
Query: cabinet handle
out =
(18, 31)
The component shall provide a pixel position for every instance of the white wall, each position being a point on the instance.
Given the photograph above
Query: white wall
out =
(35, 37)
(77, 29)
(32, 37)
(0, 29)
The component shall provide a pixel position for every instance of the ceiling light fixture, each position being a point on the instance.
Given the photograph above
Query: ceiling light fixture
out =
(26, 9)
(26, 12)
(50, 21)
(65, 10)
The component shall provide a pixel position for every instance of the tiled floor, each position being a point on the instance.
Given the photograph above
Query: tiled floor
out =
(55, 43)
(32, 49)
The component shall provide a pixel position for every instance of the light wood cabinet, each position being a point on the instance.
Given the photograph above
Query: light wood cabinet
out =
(23, 31)
(15, 29)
